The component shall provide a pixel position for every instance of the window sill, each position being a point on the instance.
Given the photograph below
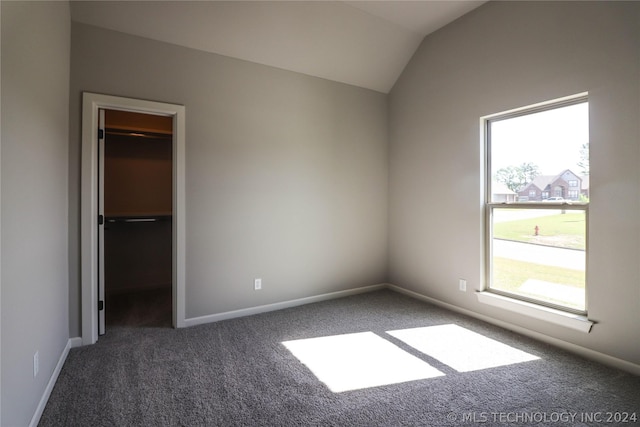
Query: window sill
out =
(557, 317)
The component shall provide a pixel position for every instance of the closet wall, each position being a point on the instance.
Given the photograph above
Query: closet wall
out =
(137, 202)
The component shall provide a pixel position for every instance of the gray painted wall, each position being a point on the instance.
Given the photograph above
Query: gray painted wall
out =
(286, 174)
(502, 56)
(35, 100)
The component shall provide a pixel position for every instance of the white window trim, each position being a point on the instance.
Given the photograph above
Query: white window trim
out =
(557, 317)
(539, 310)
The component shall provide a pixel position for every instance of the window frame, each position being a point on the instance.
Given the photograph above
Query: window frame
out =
(489, 205)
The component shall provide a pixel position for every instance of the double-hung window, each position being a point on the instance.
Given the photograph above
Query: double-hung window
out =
(536, 246)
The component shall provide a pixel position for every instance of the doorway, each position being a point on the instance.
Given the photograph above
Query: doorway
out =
(92, 295)
(135, 201)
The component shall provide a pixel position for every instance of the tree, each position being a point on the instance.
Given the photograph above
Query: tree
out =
(583, 164)
(516, 177)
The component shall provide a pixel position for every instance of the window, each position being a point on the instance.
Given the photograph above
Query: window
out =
(536, 250)
(532, 193)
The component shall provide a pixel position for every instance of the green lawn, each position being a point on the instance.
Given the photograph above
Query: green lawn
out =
(509, 275)
(562, 230)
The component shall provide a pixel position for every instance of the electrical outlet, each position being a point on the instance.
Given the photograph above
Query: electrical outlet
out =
(36, 364)
(463, 285)
(257, 284)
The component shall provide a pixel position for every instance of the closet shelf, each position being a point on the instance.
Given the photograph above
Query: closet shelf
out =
(138, 218)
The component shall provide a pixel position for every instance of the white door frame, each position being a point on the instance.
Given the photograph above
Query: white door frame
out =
(91, 103)
(102, 134)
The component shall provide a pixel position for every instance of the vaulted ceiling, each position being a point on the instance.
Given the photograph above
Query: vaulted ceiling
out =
(362, 43)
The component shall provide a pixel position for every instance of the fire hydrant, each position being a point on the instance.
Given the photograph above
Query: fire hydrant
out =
(536, 230)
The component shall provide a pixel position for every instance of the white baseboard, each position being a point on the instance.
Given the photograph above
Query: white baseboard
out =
(71, 343)
(75, 342)
(279, 305)
(587, 353)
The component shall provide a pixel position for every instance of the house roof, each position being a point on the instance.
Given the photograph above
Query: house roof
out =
(500, 188)
(543, 181)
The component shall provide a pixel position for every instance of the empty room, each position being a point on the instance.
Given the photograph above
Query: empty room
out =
(369, 213)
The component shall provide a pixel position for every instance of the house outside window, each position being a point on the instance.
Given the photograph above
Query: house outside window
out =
(536, 249)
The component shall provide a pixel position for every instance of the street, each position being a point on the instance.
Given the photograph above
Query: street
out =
(538, 254)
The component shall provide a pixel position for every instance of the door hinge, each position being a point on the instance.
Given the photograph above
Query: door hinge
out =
(100, 219)
(100, 133)
(100, 305)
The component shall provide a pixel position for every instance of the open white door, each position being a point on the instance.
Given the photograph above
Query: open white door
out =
(92, 292)
(101, 220)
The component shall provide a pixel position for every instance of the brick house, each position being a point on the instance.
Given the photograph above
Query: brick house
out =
(566, 184)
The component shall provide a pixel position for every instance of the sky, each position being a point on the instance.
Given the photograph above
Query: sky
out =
(550, 139)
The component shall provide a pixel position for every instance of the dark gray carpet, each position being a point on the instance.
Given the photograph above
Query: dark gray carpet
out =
(237, 373)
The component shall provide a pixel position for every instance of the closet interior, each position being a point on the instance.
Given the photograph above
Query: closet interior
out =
(138, 219)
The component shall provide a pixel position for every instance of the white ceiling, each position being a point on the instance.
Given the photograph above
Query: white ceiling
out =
(362, 43)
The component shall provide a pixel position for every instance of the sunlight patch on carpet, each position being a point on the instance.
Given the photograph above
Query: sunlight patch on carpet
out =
(460, 348)
(357, 361)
